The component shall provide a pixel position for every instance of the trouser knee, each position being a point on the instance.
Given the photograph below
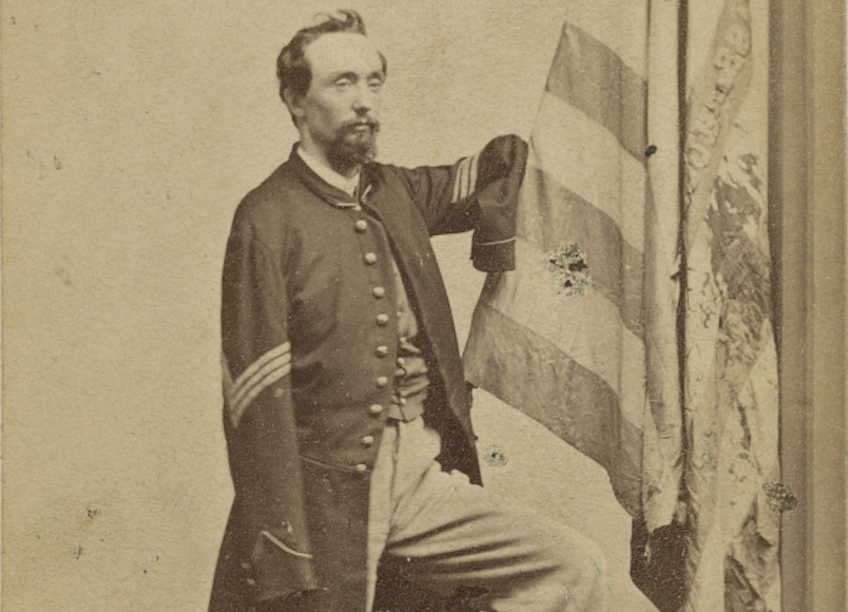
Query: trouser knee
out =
(580, 569)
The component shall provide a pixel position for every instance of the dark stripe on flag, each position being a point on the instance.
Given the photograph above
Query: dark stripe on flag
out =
(531, 373)
(617, 267)
(591, 77)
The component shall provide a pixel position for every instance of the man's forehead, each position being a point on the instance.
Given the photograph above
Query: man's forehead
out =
(343, 51)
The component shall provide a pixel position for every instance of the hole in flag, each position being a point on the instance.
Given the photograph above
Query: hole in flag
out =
(780, 497)
(571, 272)
(495, 457)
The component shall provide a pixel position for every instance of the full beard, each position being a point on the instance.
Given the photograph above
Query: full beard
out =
(353, 146)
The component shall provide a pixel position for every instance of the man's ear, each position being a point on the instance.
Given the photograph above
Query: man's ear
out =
(293, 103)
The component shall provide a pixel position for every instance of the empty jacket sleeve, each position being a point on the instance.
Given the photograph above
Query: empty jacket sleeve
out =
(478, 192)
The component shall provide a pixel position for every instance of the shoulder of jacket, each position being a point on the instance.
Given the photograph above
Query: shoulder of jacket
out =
(391, 176)
(273, 197)
(265, 211)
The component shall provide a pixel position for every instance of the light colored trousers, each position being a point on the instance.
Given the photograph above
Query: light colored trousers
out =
(441, 532)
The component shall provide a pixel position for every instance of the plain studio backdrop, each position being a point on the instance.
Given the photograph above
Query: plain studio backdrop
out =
(131, 130)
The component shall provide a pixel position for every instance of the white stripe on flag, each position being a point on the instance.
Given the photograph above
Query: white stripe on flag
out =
(587, 159)
(614, 353)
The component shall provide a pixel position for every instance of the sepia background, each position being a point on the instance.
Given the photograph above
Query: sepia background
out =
(130, 132)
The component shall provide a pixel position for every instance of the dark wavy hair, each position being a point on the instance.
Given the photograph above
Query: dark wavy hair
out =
(292, 67)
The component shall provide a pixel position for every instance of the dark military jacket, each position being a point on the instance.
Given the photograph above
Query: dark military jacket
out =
(309, 332)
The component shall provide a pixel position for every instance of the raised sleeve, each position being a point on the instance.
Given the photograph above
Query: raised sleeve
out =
(259, 418)
(478, 192)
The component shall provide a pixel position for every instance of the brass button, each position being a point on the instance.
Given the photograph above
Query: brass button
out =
(245, 567)
(368, 441)
(382, 381)
(381, 351)
(361, 225)
(375, 409)
(379, 292)
(401, 361)
(361, 467)
(402, 401)
(251, 582)
(382, 319)
(402, 339)
(370, 258)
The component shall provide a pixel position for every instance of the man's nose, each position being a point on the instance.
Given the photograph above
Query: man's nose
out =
(365, 100)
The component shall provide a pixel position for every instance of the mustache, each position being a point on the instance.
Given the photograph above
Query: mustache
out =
(350, 126)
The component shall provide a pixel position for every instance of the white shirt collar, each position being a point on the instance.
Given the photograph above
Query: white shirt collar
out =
(339, 181)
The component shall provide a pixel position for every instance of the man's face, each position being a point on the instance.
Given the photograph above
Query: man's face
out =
(338, 115)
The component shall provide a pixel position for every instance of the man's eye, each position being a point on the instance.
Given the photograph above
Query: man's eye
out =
(375, 84)
(343, 84)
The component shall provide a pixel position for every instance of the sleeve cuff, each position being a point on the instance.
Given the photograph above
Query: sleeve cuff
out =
(496, 256)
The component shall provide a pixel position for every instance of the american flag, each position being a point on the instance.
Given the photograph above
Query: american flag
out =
(637, 325)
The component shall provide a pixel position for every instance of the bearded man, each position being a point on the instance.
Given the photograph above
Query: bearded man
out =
(346, 411)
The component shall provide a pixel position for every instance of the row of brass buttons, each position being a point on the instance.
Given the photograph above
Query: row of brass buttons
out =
(382, 350)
